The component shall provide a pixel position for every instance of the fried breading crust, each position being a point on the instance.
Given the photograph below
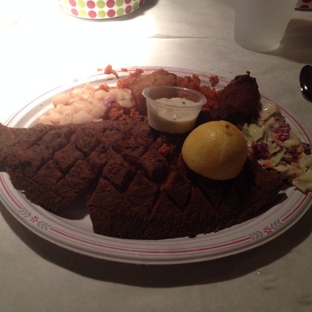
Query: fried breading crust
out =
(138, 84)
(137, 189)
(238, 102)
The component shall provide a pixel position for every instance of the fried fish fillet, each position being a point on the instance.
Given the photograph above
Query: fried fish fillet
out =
(54, 165)
(141, 188)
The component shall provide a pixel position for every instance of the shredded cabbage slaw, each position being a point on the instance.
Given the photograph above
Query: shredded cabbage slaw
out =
(271, 141)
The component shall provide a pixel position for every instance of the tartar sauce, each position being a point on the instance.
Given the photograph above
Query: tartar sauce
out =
(176, 115)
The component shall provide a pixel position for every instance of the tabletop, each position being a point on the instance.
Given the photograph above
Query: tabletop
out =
(46, 48)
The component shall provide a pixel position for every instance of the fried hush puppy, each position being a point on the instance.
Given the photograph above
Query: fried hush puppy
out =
(138, 84)
(238, 102)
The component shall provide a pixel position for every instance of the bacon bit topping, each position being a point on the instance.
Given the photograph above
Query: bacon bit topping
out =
(109, 70)
(126, 82)
(164, 149)
(214, 80)
(115, 112)
(136, 73)
(267, 164)
(104, 87)
(134, 113)
(193, 82)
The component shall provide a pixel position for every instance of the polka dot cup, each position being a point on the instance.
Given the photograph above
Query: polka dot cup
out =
(99, 9)
(304, 5)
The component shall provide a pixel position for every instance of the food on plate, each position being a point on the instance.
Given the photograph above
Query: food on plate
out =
(172, 119)
(272, 143)
(304, 181)
(239, 101)
(86, 104)
(193, 82)
(96, 103)
(53, 165)
(139, 83)
(109, 70)
(136, 183)
(216, 150)
(134, 180)
(172, 109)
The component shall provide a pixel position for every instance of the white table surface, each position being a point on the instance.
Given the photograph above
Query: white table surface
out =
(46, 48)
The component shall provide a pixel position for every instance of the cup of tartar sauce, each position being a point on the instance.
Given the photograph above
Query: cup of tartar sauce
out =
(172, 109)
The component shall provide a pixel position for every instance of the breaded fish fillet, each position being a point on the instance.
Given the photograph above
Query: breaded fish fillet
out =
(142, 189)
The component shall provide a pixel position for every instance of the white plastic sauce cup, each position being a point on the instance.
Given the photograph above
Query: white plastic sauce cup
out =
(177, 112)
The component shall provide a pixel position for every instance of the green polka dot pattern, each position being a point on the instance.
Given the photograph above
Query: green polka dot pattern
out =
(99, 9)
(100, 4)
(120, 12)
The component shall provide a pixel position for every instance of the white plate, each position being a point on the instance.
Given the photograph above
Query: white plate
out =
(76, 234)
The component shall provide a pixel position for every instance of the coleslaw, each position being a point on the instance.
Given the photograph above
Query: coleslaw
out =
(271, 141)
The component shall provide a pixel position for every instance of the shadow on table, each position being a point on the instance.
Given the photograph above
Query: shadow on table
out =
(297, 42)
(170, 275)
